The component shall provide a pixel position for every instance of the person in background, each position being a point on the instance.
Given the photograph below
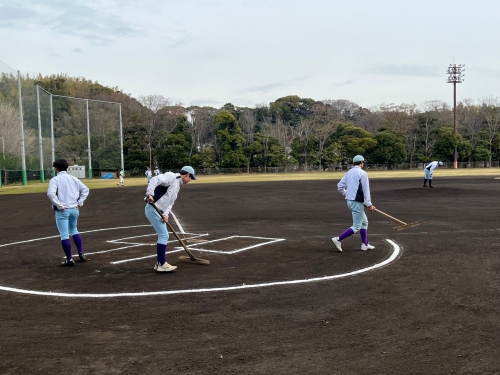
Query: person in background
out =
(120, 175)
(67, 194)
(157, 171)
(163, 190)
(355, 187)
(148, 174)
(429, 170)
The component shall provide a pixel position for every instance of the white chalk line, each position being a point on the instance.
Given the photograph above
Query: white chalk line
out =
(88, 231)
(392, 257)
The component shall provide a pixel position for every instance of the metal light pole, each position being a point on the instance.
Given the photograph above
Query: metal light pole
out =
(455, 75)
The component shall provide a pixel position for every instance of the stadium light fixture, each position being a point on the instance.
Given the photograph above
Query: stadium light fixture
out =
(455, 75)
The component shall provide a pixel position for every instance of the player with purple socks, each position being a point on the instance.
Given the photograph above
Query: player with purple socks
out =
(67, 194)
(355, 187)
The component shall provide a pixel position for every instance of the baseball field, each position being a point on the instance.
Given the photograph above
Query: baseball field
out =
(277, 298)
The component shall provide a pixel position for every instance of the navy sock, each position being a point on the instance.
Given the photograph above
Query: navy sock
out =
(161, 249)
(77, 239)
(66, 245)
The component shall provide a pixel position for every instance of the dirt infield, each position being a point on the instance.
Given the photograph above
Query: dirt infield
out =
(277, 298)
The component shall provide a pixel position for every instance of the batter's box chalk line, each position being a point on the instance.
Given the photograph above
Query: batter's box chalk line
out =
(261, 241)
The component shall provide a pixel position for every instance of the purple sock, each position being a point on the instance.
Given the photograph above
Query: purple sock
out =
(364, 236)
(348, 232)
(77, 239)
(66, 245)
(160, 251)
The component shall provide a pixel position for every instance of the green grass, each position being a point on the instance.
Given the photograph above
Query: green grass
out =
(38, 187)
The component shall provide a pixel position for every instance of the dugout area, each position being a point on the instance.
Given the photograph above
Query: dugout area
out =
(434, 309)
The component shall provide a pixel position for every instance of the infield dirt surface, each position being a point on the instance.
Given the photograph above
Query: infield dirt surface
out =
(268, 303)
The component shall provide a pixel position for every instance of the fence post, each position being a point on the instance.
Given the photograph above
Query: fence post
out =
(23, 155)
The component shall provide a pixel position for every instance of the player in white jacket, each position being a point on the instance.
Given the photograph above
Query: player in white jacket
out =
(67, 194)
(163, 190)
(355, 187)
(429, 170)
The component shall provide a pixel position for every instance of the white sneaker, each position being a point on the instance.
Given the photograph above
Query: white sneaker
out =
(337, 243)
(367, 247)
(165, 268)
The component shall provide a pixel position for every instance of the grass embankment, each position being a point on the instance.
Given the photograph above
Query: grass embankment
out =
(38, 187)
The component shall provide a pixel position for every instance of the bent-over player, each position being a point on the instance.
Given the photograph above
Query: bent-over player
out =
(163, 190)
(67, 194)
(355, 187)
(429, 170)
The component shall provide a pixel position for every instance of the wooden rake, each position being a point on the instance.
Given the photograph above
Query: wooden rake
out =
(404, 225)
(191, 258)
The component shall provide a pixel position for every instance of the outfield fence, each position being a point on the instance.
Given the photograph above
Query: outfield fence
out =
(8, 177)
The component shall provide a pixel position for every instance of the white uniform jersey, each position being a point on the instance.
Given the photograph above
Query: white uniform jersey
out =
(354, 186)
(164, 189)
(66, 191)
(431, 166)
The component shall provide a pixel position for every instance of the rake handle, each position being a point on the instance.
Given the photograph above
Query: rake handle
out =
(392, 217)
(173, 231)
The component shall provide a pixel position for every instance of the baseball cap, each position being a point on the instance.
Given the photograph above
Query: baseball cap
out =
(440, 163)
(189, 170)
(358, 158)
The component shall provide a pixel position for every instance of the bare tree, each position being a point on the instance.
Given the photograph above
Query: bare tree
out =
(247, 123)
(154, 103)
(325, 121)
(346, 108)
(434, 113)
(491, 113)
(10, 136)
(469, 116)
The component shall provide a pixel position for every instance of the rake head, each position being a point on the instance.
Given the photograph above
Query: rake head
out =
(185, 258)
(406, 226)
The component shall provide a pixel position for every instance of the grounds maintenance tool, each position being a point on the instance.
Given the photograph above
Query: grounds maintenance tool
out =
(404, 225)
(191, 257)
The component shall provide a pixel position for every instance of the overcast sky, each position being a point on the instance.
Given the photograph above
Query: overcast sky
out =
(245, 52)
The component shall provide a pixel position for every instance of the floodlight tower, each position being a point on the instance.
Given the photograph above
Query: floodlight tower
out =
(455, 75)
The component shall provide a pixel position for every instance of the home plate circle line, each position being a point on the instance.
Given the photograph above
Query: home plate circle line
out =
(392, 258)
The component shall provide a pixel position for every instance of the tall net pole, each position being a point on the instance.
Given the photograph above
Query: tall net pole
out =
(88, 139)
(40, 143)
(455, 75)
(52, 146)
(21, 121)
(121, 138)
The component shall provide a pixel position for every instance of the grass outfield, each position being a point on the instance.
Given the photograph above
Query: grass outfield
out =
(38, 187)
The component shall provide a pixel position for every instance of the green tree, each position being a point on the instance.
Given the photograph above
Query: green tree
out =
(174, 152)
(292, 109)
(389, 149)
(353, 140)
(444, 148)
(230, 141)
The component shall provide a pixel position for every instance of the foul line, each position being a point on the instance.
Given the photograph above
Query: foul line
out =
(87, 231)
(393, 257)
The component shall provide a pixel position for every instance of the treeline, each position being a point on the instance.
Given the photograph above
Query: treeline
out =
(289, 131)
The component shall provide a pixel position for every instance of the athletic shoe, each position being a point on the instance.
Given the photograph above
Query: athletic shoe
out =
(82, 257)
(337, 243)
(367, 247)
(432, 187)
(165, 268)
(68, 263)
(425, 185)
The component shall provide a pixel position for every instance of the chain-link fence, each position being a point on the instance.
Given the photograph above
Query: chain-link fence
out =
(37, 127)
